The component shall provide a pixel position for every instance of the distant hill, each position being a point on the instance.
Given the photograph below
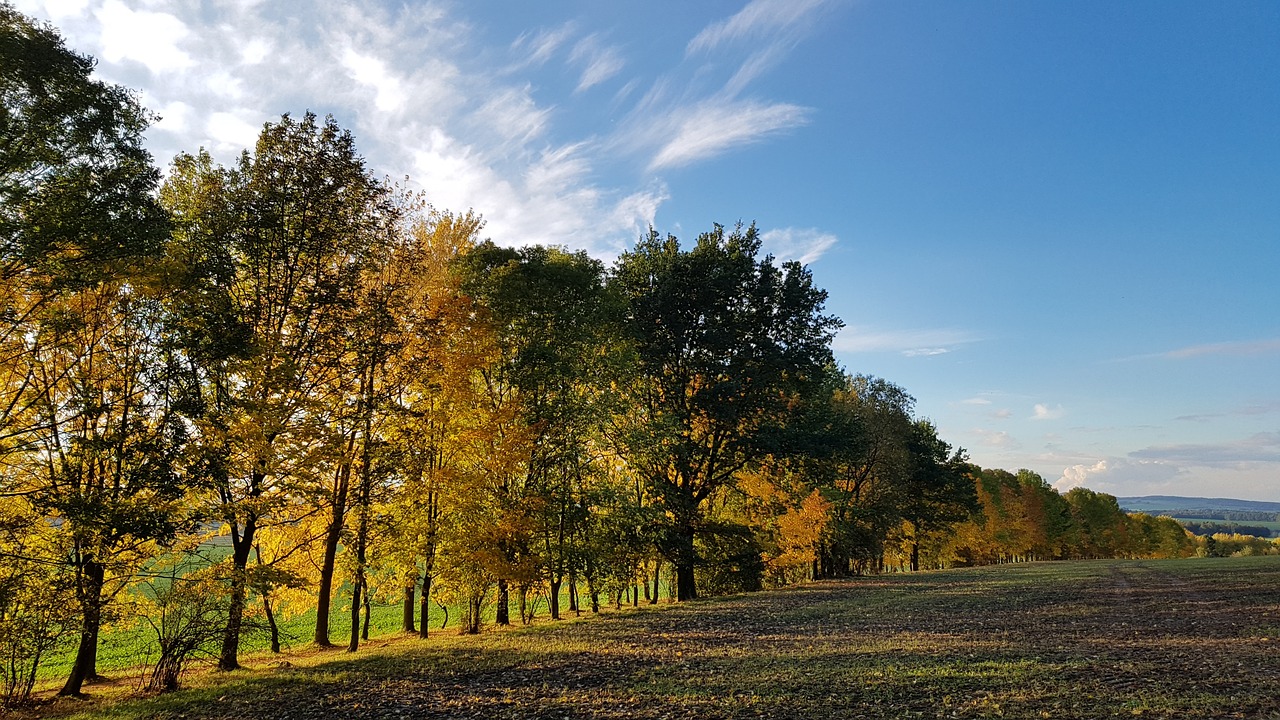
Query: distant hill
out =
(1206, 516)
(1175, 505)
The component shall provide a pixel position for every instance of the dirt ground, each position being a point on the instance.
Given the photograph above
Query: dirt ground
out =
(1173, 639)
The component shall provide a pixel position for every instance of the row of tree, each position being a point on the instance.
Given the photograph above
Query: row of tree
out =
(252, 390)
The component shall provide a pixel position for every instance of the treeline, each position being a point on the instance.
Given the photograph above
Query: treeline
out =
(255, 390)
(1203, 528)
(1227, 515)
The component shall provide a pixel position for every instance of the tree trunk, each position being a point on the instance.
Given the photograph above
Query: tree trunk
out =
(407, 616)
(573, 594)
(241, 544)
(594, 594)
(554, 599)
(92, 578)
(364, 630)
(657, 576)
(471, 620)
(358, 585)
(271, 624)
(333, 536)
(424, 604)
(502, 615)
(686, 589)
(362, 530)
(915, 556)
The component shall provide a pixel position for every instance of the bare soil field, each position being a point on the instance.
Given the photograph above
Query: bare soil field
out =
(1168, 639)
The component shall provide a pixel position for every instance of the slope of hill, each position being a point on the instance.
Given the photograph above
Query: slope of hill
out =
(1176, 506)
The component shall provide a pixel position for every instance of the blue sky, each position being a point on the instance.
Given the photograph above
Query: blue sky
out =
(1057, 224)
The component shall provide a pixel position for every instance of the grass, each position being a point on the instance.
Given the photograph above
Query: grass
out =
(1174, 639)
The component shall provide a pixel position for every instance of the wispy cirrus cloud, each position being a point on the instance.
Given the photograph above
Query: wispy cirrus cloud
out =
(713, 127)
(1261, 447)
(600, 62)
(804, 245)
(911, 343)
(1240, 348)
(1248, 347)
(1246, 411)
(538, 47)
(494, 127)
(758, 18)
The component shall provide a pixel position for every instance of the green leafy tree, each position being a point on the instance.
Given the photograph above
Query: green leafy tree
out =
(722, 338)
(556, 325)
(937, 492)
(89, 431)
(283, 238)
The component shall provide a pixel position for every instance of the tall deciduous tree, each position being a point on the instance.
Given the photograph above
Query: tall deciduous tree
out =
(285, 236)
(556, 324)
(722, 337)
(87, 427)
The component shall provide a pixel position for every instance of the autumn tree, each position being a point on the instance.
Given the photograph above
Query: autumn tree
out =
(722, 336)
(88, 425)
(284, 235)
(937, 491)
(444, 423)
(866, 473)
(556, 326)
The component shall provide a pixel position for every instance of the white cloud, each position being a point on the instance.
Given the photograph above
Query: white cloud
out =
(804, 245)
(998, 439)
(975, 401)
(175, 117)
(231, 132)
(1258, 448)
(716, 126)
(1122, 477)
(370, 71)
(471, 125)
(56, 10)
(150, 38)
(1002, 414)
(1248, 468)
(758, 17)
(853, 339)
(1042, 411)
(601, 62)
(1255, 347)
(513, 118)
(255, 51)
(541, 46)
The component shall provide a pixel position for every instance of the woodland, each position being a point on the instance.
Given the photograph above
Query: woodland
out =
(232, 394)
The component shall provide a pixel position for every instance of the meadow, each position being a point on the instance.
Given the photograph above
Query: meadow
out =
(1193, 638)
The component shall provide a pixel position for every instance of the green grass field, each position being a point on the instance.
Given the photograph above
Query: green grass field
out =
(1172, 639)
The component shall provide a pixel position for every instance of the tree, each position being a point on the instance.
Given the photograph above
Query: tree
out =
(88, 427)
(284, 236)
(556, 325)
(722, 337)
(938, 491)
(867, 472)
